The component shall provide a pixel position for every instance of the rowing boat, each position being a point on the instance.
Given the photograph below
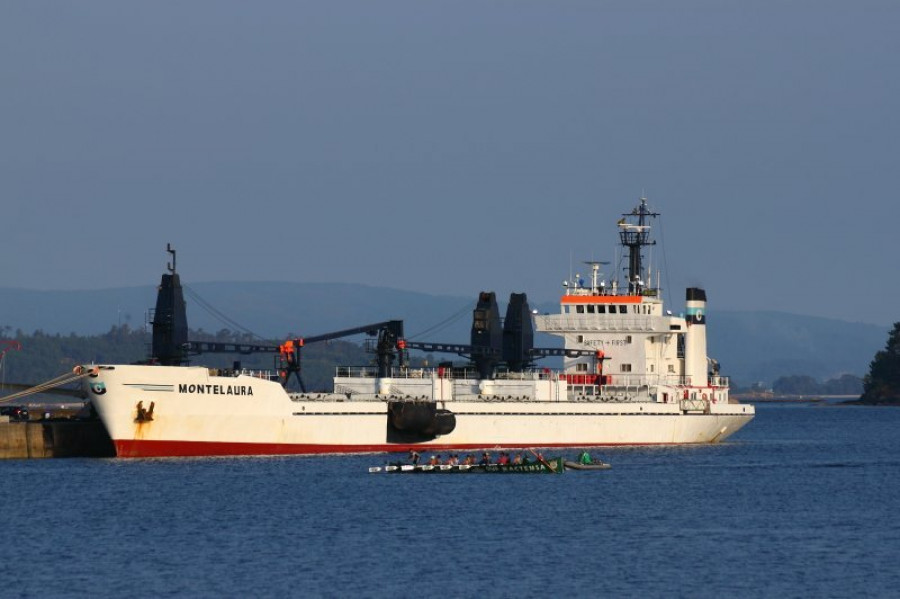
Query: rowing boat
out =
(548, 466)
(579, 466)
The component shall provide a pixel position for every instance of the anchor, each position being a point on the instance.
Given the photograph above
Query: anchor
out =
(144, 415)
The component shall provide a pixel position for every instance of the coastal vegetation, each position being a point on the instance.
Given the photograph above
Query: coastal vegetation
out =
(44, 355)
(882, 384)
(846, 384)
(750, 346)
(38, 357)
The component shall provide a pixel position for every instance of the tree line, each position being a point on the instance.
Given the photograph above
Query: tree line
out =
(846, 384)
(37, 357)
(882, 384)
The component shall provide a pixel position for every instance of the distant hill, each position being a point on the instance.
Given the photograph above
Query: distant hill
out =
(751, 346)
(268, 309)
(763, 346)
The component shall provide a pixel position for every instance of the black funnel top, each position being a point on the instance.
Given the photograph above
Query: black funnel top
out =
(695, 294)
(487, 335)
(518, 333)
(170, 330)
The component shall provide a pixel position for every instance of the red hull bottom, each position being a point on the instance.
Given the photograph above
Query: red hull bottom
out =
(166, 449)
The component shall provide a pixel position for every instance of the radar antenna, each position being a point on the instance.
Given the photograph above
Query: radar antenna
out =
(634, 236)
(597, 286)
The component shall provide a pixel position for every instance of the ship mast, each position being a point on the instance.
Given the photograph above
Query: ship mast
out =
(633, 236)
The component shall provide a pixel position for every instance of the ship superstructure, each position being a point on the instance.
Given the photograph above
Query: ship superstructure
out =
(633, 373)
(649, 352)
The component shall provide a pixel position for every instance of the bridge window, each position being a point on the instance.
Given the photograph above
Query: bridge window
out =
(579, 309)
(590, 309)
(601, 309)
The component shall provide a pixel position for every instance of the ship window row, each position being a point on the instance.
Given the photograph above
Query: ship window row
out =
(610, 309)
(600, 309)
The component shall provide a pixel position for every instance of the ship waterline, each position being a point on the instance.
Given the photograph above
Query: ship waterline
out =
(267, 420)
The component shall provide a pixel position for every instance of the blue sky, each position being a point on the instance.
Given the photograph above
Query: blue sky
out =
(449, 147)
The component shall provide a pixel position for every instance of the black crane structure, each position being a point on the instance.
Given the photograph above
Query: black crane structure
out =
(492, 345)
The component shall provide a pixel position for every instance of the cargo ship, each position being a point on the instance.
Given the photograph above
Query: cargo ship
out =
(633, 373)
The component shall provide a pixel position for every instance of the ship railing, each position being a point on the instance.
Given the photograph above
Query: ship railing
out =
(454, 373)
(694, 405)
(266, 375)
(688, 381)
(530, 375)
(600, 323)
(345, 372)
(652, 379)
(443, 373)
(673, 380)
(623, 393)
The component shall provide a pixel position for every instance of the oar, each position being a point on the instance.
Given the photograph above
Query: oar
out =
(542, 460)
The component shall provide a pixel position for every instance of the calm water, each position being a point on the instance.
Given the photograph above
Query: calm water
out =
(802, 503)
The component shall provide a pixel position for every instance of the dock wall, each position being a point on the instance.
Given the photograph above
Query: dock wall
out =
(54, 439)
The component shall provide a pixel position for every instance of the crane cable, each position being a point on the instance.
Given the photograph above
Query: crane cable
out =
(446, 322)
(210, 309)
(221, 316)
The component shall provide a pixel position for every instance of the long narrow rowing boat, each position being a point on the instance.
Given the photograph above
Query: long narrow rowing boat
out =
(548, 466)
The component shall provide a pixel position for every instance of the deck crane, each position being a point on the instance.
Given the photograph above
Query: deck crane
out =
(171, 346)
(492, 344)
(387, 333)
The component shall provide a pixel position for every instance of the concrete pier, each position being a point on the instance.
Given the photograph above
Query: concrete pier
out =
(55, 439)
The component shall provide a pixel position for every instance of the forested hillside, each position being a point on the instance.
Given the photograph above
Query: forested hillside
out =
(752, 347)
(42, 356)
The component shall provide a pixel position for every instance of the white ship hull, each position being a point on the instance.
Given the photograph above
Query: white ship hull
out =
(195, 413)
